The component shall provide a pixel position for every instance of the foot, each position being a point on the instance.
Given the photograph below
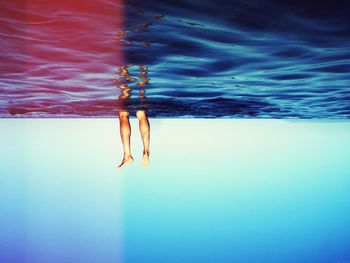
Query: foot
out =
(145, 159)
(126, 161)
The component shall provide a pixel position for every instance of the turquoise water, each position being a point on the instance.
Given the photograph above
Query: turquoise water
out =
(217, 191)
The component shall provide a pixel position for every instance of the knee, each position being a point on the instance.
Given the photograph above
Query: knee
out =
(123, 114)
(141, 114)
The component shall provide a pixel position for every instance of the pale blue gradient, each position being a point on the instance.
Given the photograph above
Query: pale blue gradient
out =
(216, 191)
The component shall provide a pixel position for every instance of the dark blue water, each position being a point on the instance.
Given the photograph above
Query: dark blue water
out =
(249, 59)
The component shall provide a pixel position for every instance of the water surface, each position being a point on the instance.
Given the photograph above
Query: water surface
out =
(257, 58)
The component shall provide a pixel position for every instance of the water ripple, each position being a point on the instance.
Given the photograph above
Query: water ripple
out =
(251, 59)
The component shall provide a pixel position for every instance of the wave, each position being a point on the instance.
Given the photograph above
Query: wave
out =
(209, 59)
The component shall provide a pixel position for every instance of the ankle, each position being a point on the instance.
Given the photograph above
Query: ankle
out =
(127, 156)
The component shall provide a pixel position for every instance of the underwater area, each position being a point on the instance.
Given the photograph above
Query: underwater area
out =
(258, 191)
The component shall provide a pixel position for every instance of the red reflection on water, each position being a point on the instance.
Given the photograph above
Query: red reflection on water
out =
(56, 53)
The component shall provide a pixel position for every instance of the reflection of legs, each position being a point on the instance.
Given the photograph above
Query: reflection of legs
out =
(125, 132)
(145, 135)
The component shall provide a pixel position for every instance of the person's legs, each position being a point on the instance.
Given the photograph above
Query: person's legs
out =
(125, 132)
(145, 135)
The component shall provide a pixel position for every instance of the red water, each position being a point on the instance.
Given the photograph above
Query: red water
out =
(59, 57)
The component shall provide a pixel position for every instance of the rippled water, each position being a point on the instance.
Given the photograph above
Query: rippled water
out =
(204, 58)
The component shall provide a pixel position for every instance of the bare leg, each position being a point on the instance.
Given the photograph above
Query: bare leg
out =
(125, 132)
(145, 135)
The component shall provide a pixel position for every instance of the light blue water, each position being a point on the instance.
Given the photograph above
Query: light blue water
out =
(218, 191)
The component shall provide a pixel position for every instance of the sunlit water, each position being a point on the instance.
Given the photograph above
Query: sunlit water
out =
(278, 59)
(218, 191)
